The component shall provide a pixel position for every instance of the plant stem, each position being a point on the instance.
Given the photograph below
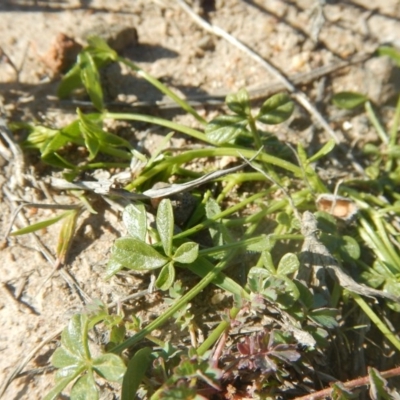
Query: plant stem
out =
(180, 303)
(164, 89)
(254, 131)
(376, 320)
(380, 130)
(159, 121)
(217, 332)
(213, 152)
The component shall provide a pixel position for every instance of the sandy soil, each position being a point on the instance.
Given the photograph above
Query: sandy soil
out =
(173, 48)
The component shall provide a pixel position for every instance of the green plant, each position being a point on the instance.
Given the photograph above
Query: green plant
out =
(76, 364)
(251, 256)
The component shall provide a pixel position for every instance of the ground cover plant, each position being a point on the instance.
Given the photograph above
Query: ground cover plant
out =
(243, 235)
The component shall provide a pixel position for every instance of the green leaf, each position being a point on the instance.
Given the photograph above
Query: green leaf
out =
(38, 136)
(258, 273)
(71, 80)
(165, 225)
(239, 102)
(379, 389)
(186, 253)
(74, 336)
(57, 161)
(201, 267)
(325, 317)
(219, 233)
(41, 224)
(91, 124)
(110, 367)
(62, 381)
(135, 373)
(85, 388)
(267, 262)
(62, 358)
(326, 149)
(166, 277)
(99, 48)
(288, 264)
(225, 128)
(264, 242)
(348, 100)
(306, 296)
(135, 220)
(351, 247)
(276, 109)
(291, 294)
(135, 254)
(113, 266)
(91, 79)
(54, 143)
(391, 52)
(371, 149)
(340, 392)
(94, 136)
(66, 234)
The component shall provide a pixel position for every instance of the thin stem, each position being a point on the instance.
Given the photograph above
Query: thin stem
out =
(179, 304)
(254, 131)
(159, 121)
(164, 89)
(217, 332)
(380, 130)
(221, 215)
(377, 321)
(213, 152)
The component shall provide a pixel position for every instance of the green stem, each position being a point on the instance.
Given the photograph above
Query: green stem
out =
(377, 244)
(226, 247)
(213, 152)
(393, 136)
(179, 304)
(221, 215)
(380, 130)
(254, 131)
(163, 89)
(159, 121)
(376, 320)
(217, 332)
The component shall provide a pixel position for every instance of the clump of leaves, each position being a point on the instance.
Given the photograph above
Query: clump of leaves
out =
(266, 351)
(134, 253)
(76, 364)
(178, 373)
(226, 128)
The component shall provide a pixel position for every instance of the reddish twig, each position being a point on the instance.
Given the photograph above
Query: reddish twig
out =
(355, 383)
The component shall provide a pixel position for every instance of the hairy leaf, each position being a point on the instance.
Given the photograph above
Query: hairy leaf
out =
(165, 225)
(134, 254)
(135, 220)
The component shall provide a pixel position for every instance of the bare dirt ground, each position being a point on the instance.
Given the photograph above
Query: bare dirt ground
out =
(293, 35)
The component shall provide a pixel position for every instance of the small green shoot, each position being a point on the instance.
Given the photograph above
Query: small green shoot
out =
(134, 253)
(76, 364)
